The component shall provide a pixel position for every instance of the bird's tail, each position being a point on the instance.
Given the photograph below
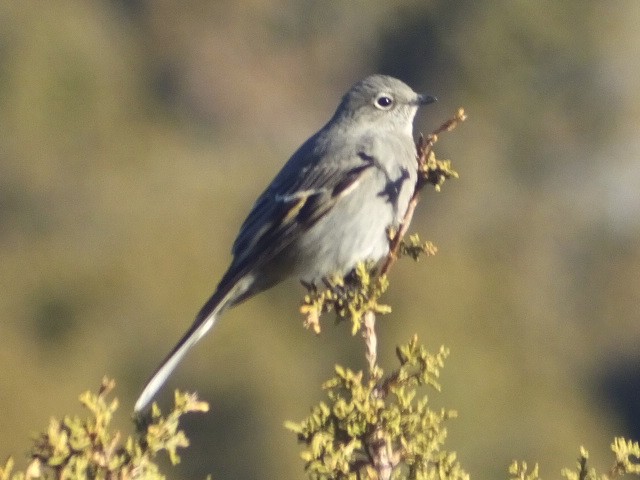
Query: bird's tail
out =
(202, 324)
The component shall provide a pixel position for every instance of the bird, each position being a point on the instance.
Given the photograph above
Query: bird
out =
(328, 208)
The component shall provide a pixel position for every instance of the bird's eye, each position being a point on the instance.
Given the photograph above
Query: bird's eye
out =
(383, 101)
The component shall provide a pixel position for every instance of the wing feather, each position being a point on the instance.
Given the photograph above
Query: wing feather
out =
(292, 203)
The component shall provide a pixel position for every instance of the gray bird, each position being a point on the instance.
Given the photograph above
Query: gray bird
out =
(329, 207)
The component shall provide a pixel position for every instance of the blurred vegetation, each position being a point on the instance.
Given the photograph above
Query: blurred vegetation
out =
(134, 135)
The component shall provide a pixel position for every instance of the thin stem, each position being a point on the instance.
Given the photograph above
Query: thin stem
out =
(370, 340)
(396, 241)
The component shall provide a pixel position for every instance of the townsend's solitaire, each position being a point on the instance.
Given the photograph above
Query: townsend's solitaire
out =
(329, 207)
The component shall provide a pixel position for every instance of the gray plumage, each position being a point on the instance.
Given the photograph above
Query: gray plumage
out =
(328, 208)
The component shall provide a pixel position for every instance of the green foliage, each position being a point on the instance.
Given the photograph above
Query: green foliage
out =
(627, 457)
(363, 416)
(520, 471)
(76, 448)
(431, 170)
(350, 298)
(415, 248)
(627, 454)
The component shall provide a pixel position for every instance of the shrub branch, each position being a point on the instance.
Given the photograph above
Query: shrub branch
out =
(374, 427)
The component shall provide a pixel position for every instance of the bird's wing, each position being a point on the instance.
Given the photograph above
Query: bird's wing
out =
(298, 197)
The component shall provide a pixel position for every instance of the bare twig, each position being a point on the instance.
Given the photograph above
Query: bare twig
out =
(370, 339)
(424, 149)
(396, 241)
(382, 456)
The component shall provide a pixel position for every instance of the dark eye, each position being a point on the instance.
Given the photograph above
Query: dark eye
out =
(384, 101)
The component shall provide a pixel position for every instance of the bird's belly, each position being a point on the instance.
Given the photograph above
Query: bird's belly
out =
(354, 230)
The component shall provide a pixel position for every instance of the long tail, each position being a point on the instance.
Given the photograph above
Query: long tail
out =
(202, 324)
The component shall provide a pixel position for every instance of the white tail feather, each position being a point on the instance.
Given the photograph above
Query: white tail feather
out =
(169, 365)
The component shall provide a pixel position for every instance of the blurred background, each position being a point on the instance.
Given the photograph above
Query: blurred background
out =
(135, 135)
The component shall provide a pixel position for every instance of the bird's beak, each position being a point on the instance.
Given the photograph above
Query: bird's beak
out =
(424, 99)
